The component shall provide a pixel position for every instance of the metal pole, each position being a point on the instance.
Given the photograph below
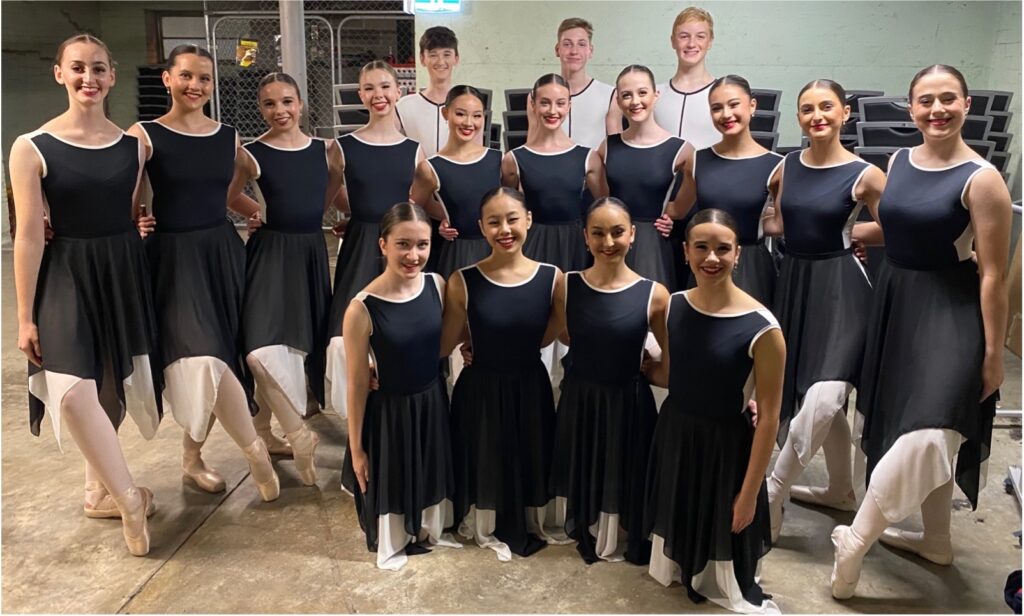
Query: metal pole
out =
(293, 45)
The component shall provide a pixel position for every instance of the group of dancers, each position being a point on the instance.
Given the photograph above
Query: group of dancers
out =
(619, 259)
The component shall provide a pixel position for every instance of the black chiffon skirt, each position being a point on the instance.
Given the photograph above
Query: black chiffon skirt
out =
(359, 262)
(502, 431)
(822, 306)
(198, 279)
(652, 255)
(287, 297)
(459, 253)
(602, 442)
(922, 365)
(696, 469)
(560, 245)
(94, 313)
(406, 440)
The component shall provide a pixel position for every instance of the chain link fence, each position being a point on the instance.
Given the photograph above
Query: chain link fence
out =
(340, 37)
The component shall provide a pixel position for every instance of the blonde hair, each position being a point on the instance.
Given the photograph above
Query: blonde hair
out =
(379, 65)
(82, 38)
(576, 22)
(693, 13)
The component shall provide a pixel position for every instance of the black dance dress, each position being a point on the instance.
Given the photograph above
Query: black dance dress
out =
(643, 178)
(197, 261)
(287, 282)
(503, 414)
(606, 417)
(739, 186)
(926, 340)
(461, 187)
(699, 459)
(823, 293)
(405, 429)
(553, 186)
(93, 306)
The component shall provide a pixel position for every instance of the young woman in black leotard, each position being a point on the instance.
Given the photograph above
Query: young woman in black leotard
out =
(85, 310)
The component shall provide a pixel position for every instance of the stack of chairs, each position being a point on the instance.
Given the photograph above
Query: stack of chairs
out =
(514, 118)
(764, 125)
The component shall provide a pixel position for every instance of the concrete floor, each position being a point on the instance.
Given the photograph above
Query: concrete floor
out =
(305, 552)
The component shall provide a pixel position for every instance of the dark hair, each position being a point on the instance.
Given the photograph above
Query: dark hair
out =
(635, 68)
(714, 216)
(276, 77)
(731, 80)
(549, 79)
(379, 65)
(439, 37)
(825, 83)
(576, 22)
(607, 202)
(461, 90)
(938, 69)
(82, 38)
(185, 49)
(493, 193)
(399, 213)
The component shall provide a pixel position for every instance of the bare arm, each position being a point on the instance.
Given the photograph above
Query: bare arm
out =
(769, 361)
(556, 320)
(244, 172)
(510, 171)
(356, 337)
(687, 195)
(424, 184)
(453, 326)
(869, 190)
(335, 173)
(596, 181)
(340, 201)
(989, 205)
(658, 373)
(26, 172)
(613, 120)
(772, 219)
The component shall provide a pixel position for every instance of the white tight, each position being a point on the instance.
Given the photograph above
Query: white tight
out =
(95, 436)
(270, 396)
(232, 409)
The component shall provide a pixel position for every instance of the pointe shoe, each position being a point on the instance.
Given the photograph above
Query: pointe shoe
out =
(938, 550)
(275, 445)
(304, 442)
(133, 505)
(262, 471)
(99, 504)
(193, 467)
(848, 562)
(822, 497)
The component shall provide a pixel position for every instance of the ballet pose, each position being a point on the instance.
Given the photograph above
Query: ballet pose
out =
(734, 175)
(934, 355)
(288, 284)
(822, 298)
(606, 412)
(450, 184)
(378, 163)
(503, 411)
(85, 309)
(641, 164)
(707, 508)
(197, 262)
(398, 463)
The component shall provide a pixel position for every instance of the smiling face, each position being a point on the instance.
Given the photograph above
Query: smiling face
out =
(85, 72)
(280, 105)
(378, 91)
(190, 81)
(731, 109)
(636, 95)
(609, 234)
(406, 247)
(712, 251)
(938, 106)
(574, 50)
(821, 114)
(465, 117)
(551, 104)
(504, 222)
(691, 41)
(440, 62)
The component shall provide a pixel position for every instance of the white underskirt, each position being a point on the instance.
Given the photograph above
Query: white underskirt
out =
(717, 582)
(336, 379)
(287, 367)
(823, 401)
(190, 392)
(139, 396)
(609, 537)
(546, 522)
(392, 538)
(551, 356)
(916, 464)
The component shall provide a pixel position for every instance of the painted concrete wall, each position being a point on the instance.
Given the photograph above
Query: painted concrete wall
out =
(782, 45)
(1004, 70)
